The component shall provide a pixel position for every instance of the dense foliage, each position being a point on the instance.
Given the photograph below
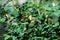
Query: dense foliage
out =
(31, 21)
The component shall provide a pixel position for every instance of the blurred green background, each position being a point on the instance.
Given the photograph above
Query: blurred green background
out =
(29, 19)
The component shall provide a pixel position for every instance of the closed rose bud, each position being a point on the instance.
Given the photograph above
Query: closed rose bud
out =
(6, 15)
(30, 17)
